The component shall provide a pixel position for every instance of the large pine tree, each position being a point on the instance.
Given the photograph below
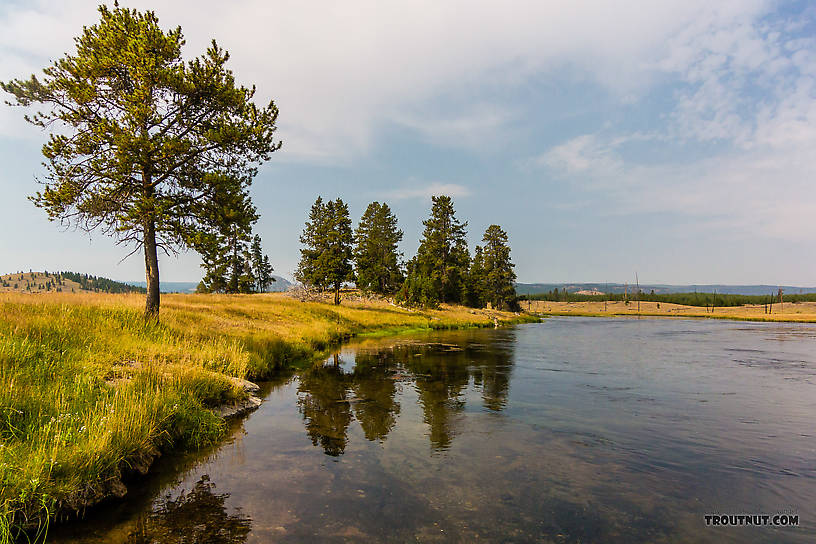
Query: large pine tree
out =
(325, 259)
(441, 263)
(499, 276)
(141, 140)
(376, 257)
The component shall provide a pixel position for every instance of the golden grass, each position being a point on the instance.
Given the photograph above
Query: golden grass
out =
(87, 384)
(804, 312)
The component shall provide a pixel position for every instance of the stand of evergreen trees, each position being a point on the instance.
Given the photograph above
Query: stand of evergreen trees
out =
(233, 264)
(441, 271)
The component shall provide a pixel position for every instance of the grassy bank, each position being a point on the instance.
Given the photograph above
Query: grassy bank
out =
(798, 312)
(89, 391)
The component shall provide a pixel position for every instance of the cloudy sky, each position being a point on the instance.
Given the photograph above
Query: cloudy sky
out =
(675, 139)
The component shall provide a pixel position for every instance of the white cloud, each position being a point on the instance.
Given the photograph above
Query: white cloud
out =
(764, 191)
(582, 154)
(339, 71)
(479, 128)
(427, 191)
(748, 89)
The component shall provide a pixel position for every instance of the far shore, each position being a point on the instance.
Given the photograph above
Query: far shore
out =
(797, 312)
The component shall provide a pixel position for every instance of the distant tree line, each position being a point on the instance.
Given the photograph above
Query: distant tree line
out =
(334, 253)
(97, 284)
(687, 299)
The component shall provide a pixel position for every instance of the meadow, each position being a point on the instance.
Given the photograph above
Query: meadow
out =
(803, 312)
(91, 392)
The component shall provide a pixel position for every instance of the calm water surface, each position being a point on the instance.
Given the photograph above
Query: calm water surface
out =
(572, 430)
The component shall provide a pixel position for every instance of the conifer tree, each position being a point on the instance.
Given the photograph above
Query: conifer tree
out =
(313, 239)
(246, 277)
(499, 276)
(223, 246)
(261, 269)
(475, 285)
(376, 256)
(145, 139)
(266, 277)
(442, 259)
(327, 253)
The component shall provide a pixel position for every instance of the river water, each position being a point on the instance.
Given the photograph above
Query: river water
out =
(571, 430)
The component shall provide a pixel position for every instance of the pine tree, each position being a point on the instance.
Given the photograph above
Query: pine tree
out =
(499, 276)
(418, 289)
(326, 258)
(261, 269)
(265, 273)
(146, 140)
(223, 246)
(376, 256)
(246, 277)
(313, 240)
(476, 284)
(442, 259)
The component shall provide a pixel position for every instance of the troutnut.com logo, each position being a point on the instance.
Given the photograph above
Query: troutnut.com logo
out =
(737, 520)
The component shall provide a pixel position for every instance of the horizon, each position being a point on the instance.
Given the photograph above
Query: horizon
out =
(671, 140)
(597, 283)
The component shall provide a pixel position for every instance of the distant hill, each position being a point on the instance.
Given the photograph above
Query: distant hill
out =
(62, 282)
(280, 284)
(536, 288)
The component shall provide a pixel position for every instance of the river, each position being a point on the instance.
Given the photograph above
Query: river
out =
(571, 430)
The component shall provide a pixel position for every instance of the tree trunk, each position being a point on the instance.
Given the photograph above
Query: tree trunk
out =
(151, 270)
(336, 293)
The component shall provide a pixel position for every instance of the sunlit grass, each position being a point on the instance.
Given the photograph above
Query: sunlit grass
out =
(802, 312)
(87, 385)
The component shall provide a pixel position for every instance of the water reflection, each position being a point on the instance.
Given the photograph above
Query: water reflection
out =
(611, 431)
(363, 385)
(375, 387)
(197, 516)
(323, 400)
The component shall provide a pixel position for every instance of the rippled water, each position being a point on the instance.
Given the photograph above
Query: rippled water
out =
(572, 430)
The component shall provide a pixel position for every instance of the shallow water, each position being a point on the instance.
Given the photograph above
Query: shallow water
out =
(572, 430)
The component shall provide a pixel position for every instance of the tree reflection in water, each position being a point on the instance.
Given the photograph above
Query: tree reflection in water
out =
(329, 396)
(375, 388)
(199, 516)
(323, 401)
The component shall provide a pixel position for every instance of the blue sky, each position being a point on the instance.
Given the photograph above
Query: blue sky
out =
(671, 139)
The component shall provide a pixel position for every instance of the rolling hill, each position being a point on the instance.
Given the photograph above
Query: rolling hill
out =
(64, 282)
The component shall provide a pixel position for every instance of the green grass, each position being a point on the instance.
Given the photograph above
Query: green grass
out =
(87, 385)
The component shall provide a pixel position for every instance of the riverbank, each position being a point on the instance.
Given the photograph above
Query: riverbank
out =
(797, 312)
(90, 393)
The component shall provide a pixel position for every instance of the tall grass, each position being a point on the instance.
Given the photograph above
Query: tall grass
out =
(87, 386)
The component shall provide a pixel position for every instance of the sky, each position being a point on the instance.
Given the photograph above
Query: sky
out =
(671, 139)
